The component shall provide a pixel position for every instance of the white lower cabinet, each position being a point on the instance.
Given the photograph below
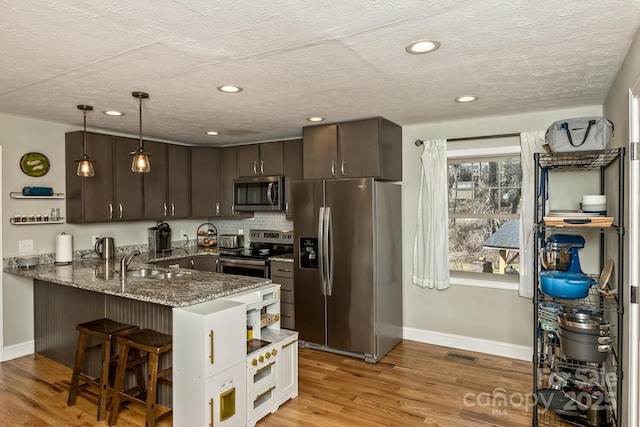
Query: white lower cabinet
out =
(209, 364)
(288, 369)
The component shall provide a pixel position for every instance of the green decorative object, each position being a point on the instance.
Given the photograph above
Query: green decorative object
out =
(34, 164)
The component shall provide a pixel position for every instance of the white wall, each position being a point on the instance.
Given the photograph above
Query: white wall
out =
(490, 320)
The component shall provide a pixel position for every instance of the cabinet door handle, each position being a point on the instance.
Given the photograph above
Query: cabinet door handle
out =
(286, 290)
(286, 315)
(110, 211)
(261, 167)
(285, 270)
(173, 209)
(289, 343)
(255, 167)
(333, 168)
(120, 207)
(165, 208)
(233, 209)
(211, 343)
(342, 168)
(217, 208)
(211, 405)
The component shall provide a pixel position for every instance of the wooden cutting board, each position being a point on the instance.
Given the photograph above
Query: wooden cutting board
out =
(594, 222)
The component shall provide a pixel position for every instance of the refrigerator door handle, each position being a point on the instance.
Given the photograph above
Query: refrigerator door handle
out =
(328, 248)
(321, 259)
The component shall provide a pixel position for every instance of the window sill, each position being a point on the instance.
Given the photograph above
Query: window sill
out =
(485, 283)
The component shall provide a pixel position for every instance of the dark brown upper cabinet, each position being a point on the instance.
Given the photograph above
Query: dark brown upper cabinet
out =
(166, 185)
(262, 159)
(355, 149)
(115, 192)
(229, 173)
(206, 182)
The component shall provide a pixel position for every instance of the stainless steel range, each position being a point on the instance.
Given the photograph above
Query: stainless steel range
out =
(254, 260)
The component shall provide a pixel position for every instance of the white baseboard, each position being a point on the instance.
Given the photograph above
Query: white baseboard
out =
(461, 342)
(18, 350)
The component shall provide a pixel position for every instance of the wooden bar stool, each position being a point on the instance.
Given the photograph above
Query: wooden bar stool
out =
(105, 330)
(154, 344)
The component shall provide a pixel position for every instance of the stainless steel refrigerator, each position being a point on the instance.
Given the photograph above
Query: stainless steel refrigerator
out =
(348, 265)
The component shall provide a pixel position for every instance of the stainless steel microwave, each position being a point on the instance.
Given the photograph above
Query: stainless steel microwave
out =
(260, 193)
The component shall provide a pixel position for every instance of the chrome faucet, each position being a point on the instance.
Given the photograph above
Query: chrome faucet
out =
(125, 261)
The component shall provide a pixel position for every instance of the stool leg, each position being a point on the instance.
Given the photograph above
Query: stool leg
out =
(119, 384)
(104, 380)
(137, 370)
(77, 367)
(152, 389)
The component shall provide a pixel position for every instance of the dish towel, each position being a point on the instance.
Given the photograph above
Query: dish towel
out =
(431, 244)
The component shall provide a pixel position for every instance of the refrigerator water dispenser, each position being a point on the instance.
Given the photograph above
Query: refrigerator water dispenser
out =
(309, 252)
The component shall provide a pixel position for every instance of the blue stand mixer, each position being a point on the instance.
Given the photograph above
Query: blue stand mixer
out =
(566, 243)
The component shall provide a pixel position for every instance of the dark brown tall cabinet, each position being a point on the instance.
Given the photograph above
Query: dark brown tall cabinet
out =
(292, 171)
(167, 185)
(115, 192)
(262, 159)
(355, 149)
(206, 182)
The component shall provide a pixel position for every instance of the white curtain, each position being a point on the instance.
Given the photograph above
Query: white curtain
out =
(530, 143)
(431, 244)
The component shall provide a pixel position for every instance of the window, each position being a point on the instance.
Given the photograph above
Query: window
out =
(484, 215)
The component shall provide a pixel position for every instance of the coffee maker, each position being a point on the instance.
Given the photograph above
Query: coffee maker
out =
(160, 238)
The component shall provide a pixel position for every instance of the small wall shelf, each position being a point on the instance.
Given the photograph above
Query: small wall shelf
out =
(19, 195)
(57, 221)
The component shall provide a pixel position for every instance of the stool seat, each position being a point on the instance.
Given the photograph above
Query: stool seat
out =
(105, 330)
(155, 344)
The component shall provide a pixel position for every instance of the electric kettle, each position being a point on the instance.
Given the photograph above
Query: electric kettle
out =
(106, 248)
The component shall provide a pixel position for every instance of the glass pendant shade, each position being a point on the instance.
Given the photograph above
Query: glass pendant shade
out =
(85, 167)
(85, 164)
(140, 162)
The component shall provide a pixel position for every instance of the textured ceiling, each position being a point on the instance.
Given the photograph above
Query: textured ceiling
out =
(338, 59)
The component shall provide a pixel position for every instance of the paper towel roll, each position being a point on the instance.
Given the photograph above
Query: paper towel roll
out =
(64, 248)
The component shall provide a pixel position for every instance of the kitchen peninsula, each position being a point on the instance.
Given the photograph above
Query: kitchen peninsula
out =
(84, 290)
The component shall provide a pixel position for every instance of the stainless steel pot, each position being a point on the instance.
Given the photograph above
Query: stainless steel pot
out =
(583, 323)
(583, 347)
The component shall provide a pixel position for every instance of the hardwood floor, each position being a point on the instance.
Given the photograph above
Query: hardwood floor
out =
(414, 385)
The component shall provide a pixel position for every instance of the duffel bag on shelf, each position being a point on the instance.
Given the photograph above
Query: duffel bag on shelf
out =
(579, 134)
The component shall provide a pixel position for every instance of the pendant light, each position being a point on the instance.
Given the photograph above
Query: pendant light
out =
(85, 164)
(140, 161)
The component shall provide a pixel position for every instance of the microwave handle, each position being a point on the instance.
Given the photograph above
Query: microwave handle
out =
(270, 193)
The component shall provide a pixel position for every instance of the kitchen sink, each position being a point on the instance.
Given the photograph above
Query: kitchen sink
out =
(151, 273)
(143, 272)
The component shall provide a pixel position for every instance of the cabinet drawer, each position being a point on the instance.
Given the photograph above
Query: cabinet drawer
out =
(281, 269)
(286, 288)
(287, 315)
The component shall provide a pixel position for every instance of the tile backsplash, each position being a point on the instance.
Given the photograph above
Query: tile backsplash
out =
(260, 221)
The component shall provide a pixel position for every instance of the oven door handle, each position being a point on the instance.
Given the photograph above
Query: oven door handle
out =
(242, 262)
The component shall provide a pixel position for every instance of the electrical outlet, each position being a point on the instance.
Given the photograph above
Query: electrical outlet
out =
(183, 233)
(94, 239)
(25, 246)
(240, 231)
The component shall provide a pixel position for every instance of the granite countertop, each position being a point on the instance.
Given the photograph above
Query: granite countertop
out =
(103, 276)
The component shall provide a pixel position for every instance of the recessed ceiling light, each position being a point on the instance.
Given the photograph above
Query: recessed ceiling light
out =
(315, 119)
(229, 88)
(213, 133)
(422, 46)
(113, 113)
(466, 98)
